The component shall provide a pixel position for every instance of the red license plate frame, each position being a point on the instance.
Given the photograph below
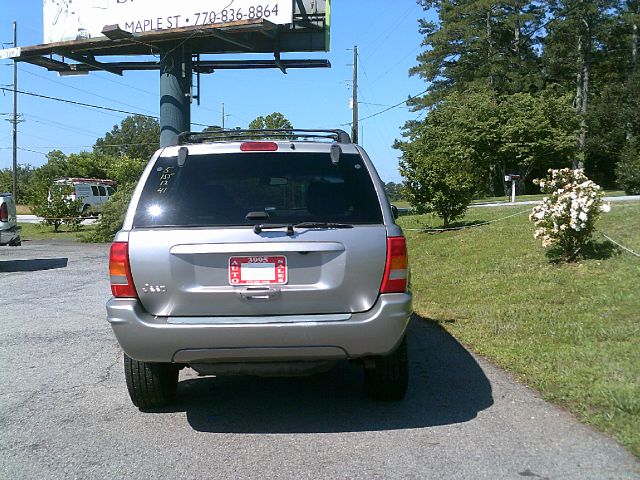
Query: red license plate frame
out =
(258, 270)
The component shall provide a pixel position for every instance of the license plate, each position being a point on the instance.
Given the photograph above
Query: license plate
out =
(258, 270)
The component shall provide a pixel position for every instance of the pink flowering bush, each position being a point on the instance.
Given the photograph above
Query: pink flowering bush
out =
(565, 219)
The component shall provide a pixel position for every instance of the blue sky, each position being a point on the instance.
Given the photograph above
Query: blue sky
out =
(386, 33)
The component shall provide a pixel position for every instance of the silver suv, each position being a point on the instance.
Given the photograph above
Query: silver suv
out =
(259, 253)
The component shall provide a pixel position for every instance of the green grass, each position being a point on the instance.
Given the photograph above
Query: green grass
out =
(571, 331)
(34, 231)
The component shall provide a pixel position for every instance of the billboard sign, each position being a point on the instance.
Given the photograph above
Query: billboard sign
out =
(80, 19)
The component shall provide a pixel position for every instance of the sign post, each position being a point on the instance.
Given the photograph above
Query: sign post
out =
(513, 179)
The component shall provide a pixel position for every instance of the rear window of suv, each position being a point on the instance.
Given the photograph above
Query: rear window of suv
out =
(222, 189)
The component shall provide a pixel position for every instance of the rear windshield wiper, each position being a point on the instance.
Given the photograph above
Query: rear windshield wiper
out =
(322, 225)
(290, 228)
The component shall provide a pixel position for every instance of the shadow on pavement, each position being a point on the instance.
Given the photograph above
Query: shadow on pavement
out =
(35, 265)
(446, 386)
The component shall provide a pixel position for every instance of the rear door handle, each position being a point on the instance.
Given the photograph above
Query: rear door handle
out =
(259, 293)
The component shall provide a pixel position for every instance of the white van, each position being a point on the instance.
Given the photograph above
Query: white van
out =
(92, 192)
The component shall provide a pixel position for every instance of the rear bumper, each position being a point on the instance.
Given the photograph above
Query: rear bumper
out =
(148, 338)
(10, 235)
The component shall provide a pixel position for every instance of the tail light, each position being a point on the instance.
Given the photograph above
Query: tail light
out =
(4, 212)
(120, 271)
(396, 272)
(258, 147)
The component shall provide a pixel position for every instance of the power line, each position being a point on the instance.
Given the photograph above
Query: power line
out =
(391, 107)
(378, 40)
(390, 69)
(80, 89)
(88, 105)
(32, 151)
(117, 101)
(77, 147)
(73, 102)
(60, 125)
(108, 79)
(42, 138)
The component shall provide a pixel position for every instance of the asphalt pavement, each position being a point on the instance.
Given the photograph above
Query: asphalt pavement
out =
(65, 412)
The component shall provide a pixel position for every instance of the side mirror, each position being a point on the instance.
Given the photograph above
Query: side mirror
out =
(395, 212)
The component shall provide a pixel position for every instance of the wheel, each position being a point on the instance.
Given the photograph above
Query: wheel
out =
(86, 210)
(150, 385)
(389, 377)
(16, 243)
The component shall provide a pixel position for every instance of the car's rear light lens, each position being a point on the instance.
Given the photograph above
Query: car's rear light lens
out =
(4, 212)
(259, 146)
(396, 272)
(120, 271)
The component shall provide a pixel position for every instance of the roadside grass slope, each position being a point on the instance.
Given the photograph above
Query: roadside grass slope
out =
(571, 331)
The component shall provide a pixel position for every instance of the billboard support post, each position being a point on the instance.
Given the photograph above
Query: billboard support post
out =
(175, 95)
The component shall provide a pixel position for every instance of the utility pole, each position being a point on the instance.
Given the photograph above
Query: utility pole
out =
(354, 125)
(223, 115)
(15, 117)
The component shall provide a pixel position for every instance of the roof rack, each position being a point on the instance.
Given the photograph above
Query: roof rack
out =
(337, 135)
(103, 181)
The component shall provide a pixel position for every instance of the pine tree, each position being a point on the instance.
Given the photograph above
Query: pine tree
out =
(479, 43)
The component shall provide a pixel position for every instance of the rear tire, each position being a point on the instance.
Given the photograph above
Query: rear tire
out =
(389, 378)
(150, 385)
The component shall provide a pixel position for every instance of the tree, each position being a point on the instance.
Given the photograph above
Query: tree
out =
(273, 121)
(445, 155)
(469, 141)
(137, 136)
(479, 43)
(628, 169)
(572, 46)
(125, 170)
(535, 132)
(587, 49)
(393, 191)
(87, 165)
(24, 176)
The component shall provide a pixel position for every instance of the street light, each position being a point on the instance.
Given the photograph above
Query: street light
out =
(114, 32)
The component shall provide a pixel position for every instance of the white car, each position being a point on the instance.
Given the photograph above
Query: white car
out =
(92, 192)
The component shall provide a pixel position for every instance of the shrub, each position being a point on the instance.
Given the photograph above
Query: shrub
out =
(57, 207)
(628, 170)
(112, 216)
(565, 220)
